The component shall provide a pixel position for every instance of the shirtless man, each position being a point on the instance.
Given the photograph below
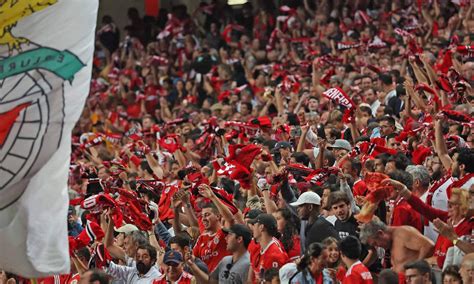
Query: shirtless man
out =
(406, 244)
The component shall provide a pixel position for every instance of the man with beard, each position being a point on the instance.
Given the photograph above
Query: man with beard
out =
(133, 239)
(405, 243)
(317, 228)
(233, 268)
(144, 271)
(271, 253)
(461, 166)
(346, 225)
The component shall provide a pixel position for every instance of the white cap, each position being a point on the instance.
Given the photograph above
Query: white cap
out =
(127, 228)
(307, 197)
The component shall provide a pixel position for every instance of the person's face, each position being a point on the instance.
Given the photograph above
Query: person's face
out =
(102, 174)
(413, 276)
(174, 271)
(390, 167)
(209, 218)
(146, 123)
(325, 197)
(257, 230)
(130, 246)
(120, 241)
(455, 169)
(386, 128)
(366, 83)
(281, 222)
(381, 239)
(313, 105)
(339, 153)
(176, 247)
(433, 164)
(454, 206)
(284, 152)
(319, 263)
(232, 242)
(86, 278)
(341, 210)
(333, 253)
(174, 170)
(394, 144)
(144, 256)
(467, 273)
(370, 96)
(347, 168)
(363, 118)
(380, 111)
(303, 211)
(450, 279)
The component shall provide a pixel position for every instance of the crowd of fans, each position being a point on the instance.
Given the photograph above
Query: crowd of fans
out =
(309, 142)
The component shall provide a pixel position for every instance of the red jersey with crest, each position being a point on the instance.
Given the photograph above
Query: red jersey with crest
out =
(272, 256)
(211, 248)
(185, 278)
(358, 274)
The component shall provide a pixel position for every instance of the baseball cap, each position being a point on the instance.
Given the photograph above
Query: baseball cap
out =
(268, 221)
(240, 230)
(307, 197)
(341, 144)
(127, 228)
(281, 145)
(253, 213)
(172, 257)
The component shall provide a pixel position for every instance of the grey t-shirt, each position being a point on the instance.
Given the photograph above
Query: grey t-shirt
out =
(232, 273)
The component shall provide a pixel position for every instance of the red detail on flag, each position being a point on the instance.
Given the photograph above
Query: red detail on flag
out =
(8, 119)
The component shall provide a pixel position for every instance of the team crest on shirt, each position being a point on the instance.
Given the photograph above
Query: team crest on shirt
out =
(216, 240)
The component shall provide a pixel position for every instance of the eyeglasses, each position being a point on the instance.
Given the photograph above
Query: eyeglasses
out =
(451, 204)
(227, 272)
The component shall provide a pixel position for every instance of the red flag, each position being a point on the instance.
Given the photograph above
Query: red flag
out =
(341, 98)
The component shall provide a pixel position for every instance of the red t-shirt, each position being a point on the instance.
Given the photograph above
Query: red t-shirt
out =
(358, 274)
(404, 214)
(295, 250)
(272, 256)
(443, 244)
(211, 248)
(185, 278)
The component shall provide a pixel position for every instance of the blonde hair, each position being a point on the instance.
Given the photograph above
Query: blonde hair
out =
(463, 199)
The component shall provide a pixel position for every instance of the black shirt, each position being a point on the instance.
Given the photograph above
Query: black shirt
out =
(319, 230)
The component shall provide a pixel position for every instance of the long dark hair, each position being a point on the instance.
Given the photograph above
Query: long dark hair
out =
(290, 229)
(314, 250)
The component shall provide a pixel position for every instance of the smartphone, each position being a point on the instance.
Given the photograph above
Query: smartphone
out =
(320, 131)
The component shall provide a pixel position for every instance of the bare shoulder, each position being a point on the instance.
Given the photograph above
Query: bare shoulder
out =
(405, 232)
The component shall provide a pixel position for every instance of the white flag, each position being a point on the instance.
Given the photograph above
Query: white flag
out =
(46, 49)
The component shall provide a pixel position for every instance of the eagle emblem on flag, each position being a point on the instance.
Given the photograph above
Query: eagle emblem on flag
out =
(32, 79)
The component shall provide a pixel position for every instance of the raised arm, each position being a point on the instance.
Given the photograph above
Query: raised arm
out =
(225, 212)
(114, 250)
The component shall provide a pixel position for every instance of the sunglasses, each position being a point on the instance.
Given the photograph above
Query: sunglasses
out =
(227, 271)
